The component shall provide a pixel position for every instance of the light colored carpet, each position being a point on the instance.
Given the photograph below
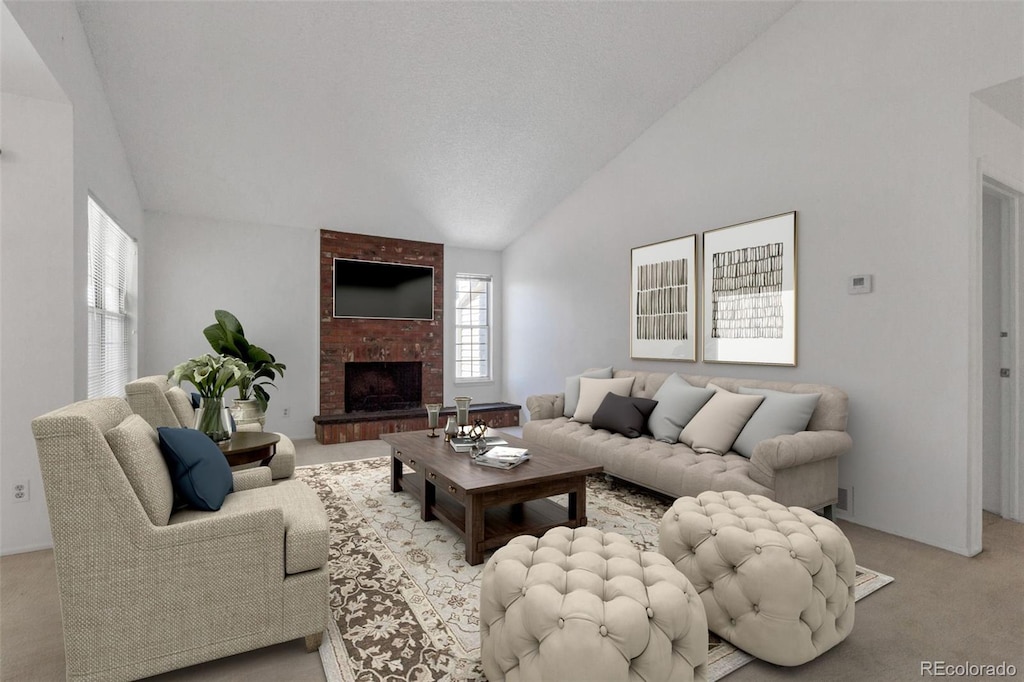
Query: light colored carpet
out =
(943, 607)
(405, 602)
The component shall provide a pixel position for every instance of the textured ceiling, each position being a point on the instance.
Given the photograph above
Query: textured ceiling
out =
(456, 122)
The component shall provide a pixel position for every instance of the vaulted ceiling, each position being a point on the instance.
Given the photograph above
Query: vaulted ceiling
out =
(459, 122)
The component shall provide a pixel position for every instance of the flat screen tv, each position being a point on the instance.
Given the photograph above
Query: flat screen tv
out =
(371, 289)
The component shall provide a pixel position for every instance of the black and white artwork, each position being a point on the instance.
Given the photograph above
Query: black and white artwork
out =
(750, 292)
(663, 300)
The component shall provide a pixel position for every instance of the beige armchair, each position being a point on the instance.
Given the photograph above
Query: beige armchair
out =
(162, 404)
(145, 589)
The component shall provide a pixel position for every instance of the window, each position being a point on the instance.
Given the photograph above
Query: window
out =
(112, 256)
(472, 327)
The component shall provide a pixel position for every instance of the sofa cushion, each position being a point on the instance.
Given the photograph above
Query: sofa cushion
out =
(572, 388)
(678, 402)
(135, 446)
(181, 405)
(199, 471)
(714, 428)
(623, 414)
(781, 413)
(593, 391)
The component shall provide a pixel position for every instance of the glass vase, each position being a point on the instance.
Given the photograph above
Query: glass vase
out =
(462, 413)
(212, 418)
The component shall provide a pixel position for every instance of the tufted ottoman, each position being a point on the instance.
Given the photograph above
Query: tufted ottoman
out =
(776, 581)
(579, 604)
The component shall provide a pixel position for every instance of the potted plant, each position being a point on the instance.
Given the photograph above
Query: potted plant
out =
(212, 375)
(228, 338)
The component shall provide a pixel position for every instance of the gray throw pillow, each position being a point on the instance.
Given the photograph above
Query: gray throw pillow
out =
(572, 388)
(780, 414)
(623, 414)
(678, 401)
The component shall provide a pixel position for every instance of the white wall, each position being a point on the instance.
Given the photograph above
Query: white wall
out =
(856, 116)
(55, 333)
(267, 276)
(36, 259)
(473, 262)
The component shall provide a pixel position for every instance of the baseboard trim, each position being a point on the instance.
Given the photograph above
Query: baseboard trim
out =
(25, 549)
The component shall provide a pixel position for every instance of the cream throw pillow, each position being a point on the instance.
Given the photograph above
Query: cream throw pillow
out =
(593, 391)
(715, 427)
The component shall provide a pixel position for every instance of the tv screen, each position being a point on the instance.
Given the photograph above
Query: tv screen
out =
(371, 289)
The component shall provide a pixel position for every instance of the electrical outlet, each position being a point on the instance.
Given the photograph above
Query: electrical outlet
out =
(284, 412)
(20, 490)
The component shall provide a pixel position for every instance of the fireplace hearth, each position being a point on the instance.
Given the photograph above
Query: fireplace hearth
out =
(383, 386)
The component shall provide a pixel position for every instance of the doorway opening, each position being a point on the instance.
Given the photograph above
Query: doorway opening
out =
(1002, 470)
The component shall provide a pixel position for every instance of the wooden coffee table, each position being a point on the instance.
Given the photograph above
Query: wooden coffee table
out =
(487, 506)
(246, 447)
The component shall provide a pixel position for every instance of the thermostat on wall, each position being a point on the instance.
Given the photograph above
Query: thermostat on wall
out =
(859, 284)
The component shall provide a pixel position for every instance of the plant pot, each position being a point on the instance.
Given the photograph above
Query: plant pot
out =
(248, 412)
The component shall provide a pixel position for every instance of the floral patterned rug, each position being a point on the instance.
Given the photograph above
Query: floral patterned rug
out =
(403, 600)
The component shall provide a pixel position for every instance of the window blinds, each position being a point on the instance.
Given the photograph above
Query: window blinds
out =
(112, 256)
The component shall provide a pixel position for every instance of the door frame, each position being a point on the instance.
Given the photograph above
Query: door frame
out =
(1012, 467)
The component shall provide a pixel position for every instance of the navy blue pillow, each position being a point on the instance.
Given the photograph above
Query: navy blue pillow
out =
(199, 471)
(196, 400)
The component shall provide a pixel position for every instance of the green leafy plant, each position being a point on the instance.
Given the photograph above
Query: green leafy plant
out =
(228, 338)
(212, 375)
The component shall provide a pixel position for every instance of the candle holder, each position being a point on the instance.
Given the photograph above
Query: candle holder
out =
(462, 413)
(450, 430)
(433, 414)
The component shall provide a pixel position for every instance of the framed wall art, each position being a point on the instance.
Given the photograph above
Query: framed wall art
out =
(749, 292)
(663, 300)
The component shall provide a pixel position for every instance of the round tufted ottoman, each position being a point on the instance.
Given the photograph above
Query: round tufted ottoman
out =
(585, 605)
(776, 581)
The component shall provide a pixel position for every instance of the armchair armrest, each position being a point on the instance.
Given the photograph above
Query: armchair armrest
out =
(545, 405)
(247, 479)
(784, 452)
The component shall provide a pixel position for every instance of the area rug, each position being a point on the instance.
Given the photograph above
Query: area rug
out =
(404, 602)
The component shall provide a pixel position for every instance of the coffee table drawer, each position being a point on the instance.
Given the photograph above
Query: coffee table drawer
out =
(445, 484)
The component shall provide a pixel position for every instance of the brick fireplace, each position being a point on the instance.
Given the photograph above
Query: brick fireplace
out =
(387, 344)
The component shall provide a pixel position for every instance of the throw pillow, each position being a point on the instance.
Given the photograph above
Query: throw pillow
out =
(181, 405)
(780, 413)
(593, 391)
(715, 427)
(199, 471)
(135, 448)
(623, 414)
(572, 388)
(678, 401)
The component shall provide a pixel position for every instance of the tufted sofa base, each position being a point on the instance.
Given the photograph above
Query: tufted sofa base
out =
(579, 604)
(800, 469)
(777, 582)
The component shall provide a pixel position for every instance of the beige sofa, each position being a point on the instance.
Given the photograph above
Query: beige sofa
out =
(161, 403)
(145, 588)
(794, 470)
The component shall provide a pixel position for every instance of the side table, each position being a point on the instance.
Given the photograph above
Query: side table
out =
(246, 447)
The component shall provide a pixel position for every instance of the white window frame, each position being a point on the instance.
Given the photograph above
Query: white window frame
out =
(488, 327)
(111, 284)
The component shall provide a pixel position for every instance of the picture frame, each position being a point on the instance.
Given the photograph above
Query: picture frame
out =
(750, 292)
(663, 300)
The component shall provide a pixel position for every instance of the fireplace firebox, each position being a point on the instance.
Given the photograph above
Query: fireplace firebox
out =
(383, 386)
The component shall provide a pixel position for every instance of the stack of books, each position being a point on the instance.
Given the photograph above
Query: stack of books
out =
(466, 444)
(502, 457)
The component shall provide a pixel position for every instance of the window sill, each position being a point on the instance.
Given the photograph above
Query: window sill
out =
(471, 382)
